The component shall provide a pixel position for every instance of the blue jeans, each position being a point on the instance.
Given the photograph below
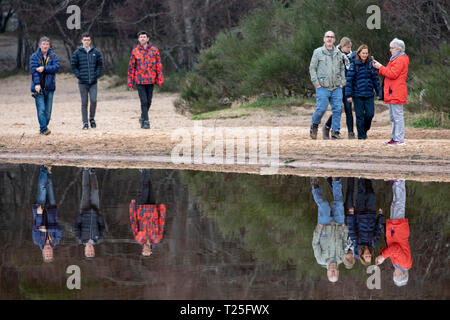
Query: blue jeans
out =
(348, 114)
(323, 98)
(45, 194)
(364, 111)
(44, 103)
(325, 215)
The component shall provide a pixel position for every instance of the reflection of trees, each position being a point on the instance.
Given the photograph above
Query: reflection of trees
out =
(274, 218)
(271, 217)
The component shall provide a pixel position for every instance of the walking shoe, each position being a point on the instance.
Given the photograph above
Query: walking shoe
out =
(395, 143)
(146, 125)
(46, 132)
(313, 131)
(85, 126)
(93, 125)
(335, 135)
(388, 142)
(351, 135)
(314, 182)
(325, 133)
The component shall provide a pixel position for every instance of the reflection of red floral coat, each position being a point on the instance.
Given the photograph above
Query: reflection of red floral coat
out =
(145, 66)
(147, 222)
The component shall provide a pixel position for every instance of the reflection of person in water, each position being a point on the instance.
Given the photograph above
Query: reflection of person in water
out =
(89, 226)
(331, 234)
(397, 234)
(46, 231)
(364, 224)
(147, 218)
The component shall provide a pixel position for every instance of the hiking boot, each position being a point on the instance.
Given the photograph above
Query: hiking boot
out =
(351, 135)
(93, 125)
(395, 143)
(313, 131)
(314, 182)
(335, 135)
(85, 126)
(326, 133)
(145, 125)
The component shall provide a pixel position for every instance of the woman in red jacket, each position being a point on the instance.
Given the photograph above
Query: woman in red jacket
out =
(395, 91)
(397, 234)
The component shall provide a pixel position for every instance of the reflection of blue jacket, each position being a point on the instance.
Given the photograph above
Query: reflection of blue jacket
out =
(50, 70)
(361, 80)
(364, 229)
(89, 226)
(54, 231)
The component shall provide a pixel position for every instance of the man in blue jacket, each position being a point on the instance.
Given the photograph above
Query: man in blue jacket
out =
(43, 68)
(46, 231)
(87, 63)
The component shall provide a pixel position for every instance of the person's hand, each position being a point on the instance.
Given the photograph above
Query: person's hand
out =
(133, 201)
(376, 64)
(42, 228)
(39, 210)
(379, 260)
(349, 99)
(40, 69)
(317, 87)
(37, 88)
(130, 88)
(341, 86)
(351, 211)
(320, 226)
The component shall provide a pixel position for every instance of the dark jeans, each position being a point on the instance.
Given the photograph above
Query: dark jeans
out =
(45, 194)
(147, 195)
(89, 195)
(364, 110)
(365, 198)
(348, 114)
(349, 196)
(145, 95)
(85, 90)
(44, 103)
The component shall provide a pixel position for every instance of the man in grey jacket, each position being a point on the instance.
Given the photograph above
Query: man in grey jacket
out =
(327, 71)
(330, 235)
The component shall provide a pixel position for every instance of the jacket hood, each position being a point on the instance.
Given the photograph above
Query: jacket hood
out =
(325, 50)
(38, 51)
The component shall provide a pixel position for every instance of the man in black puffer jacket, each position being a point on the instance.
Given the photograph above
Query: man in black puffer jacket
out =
(87, 66)
(89, 226)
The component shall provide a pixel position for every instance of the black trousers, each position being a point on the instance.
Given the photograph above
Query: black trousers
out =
(147, 194)
(145, 95)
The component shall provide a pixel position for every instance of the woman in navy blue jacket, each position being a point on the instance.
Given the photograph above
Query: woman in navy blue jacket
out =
(362, 80)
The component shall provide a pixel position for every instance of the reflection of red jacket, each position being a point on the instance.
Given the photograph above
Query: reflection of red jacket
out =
(145, 66)
(397, 234)
(395, 74)
(147, 222)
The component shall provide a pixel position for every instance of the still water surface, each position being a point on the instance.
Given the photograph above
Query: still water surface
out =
(221, 236)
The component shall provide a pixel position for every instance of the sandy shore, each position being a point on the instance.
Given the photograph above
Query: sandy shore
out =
(118, 141)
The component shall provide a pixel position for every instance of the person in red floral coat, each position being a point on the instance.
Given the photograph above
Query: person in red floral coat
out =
(147, 218)
(144, 70)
